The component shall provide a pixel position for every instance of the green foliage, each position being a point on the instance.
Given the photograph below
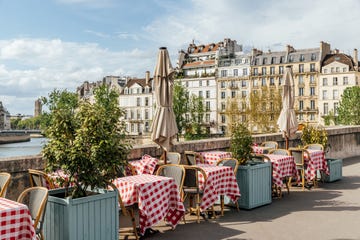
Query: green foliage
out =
(194, 128)
(180, 105)
(86, 140)
(349, 107)
(311, 134)
(240, 143)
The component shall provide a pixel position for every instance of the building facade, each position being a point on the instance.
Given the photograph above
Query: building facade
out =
(4, 118)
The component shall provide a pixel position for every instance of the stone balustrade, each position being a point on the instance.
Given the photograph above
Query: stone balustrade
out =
(344, 142)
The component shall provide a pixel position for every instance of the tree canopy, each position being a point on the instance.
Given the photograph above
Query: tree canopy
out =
(349, 107)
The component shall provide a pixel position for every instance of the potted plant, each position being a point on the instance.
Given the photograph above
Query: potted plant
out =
(312, 134)
(253, 177)
(86, 140)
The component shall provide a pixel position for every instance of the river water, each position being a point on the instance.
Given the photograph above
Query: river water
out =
(33, 147)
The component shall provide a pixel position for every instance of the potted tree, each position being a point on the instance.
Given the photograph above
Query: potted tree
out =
(312, 134)
(253, 177)
(86, 140)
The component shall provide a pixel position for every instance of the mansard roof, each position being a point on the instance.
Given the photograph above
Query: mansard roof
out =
(339, 57)
(198, 64)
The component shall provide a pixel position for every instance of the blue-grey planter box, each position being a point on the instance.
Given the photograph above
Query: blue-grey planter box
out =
(255, 186)
(335, 170)
(88, 218)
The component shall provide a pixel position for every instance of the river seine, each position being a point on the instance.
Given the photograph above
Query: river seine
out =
(33, 147)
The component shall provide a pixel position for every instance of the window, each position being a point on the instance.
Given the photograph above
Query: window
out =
(301, 91)
(223, 119)
(272, 81)
(301, 80)
(235, 72)
(138, 101)
(326, 109)
(301, 105)
(207, 117)
(344, 69)
(200, 83)
(301, 116)
(243, 94)
(146, 101)
(233, 94)
(312, 104)
(324, 95)
(291, 58)
(337, 69)
(138, 114)
(312, 67)
(312, 91)
(243, 83)
(302, 58)
(207, 106)
(222, 84)
(263, 71)
(200, 94)
(280, 80)
(325, 82)
(186, 84)
(301, 68)
(256, 71)
(313, 56)
(245, 73)
(312, 117)
(264, 61)
(223, 106)
(335, 81)
(207, 94)
(207, 82)
(335, 94)
(281, 69)
(223, 73)
(345, 80)
(282, 59)
(223, 95)
(146, 114)
(263, 82)
(332, 70)
(325, 70)
(232, 84)
(272, 70)
(312, 79)
(336, 106)
(255, 83)
(273, 60)
(126, 91)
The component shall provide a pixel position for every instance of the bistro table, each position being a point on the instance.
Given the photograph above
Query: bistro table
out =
(221, 180)
(146, 165)
(316, 161)
(15, 221)
(282, 166)
(212, 157)
(260, 150)
(158, 198)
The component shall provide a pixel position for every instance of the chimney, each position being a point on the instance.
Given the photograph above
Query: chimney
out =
(356, 61)
(324, 50)
(147, 77)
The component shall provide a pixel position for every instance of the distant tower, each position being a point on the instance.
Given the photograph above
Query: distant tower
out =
(37, 111)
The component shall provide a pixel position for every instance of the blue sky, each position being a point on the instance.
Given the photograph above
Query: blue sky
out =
(47, 44)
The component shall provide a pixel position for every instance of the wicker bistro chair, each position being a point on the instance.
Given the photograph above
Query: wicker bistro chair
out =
(173, 158)
(192, 189)
(40, 179)
(280, 151)
(314, 146)
(5, 179)
(36, 199)
(190, 157)
(270, 144)
(299, 154)
(175, 171)
(126, 212)
(234, 164)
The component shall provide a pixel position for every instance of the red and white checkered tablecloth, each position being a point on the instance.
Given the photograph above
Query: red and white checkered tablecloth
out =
(282, 166)
(212, 157)
(260, 150)
(59, 177)
(146, 165)
(157, 197)
(221, 180)
(15, 221)
(316, 161)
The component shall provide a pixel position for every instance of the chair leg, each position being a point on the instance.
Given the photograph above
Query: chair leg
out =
(132, 215)
(303, 179)
(222, 204)
(198, 207)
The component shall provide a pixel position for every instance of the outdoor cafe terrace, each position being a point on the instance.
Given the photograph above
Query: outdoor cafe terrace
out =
(314, 211)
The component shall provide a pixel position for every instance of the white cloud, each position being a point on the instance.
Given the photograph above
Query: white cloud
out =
(98, 34)
(51, 63)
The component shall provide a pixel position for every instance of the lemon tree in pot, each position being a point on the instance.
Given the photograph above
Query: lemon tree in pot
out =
(87, 141)
(254, 180)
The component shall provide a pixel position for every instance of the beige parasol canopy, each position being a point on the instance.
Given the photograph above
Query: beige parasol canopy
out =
(164, 128)
(287, 120)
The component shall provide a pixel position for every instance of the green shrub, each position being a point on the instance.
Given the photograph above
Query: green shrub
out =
(240, 143)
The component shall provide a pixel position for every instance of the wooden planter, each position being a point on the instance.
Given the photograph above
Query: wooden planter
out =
(88, 218)
(255, 185)
(335, 169)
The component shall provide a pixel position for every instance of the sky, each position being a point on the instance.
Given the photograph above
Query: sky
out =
(59, 44)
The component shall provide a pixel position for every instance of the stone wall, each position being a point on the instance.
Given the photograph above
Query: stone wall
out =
(344, 142)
